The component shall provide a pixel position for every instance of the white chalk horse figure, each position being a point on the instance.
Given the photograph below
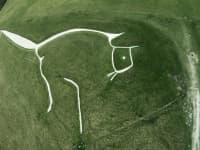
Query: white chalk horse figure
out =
(28, 44)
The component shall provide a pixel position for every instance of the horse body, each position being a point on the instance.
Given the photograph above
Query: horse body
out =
(29, 45)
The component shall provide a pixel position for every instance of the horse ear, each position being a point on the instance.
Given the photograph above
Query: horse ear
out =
(20, 41)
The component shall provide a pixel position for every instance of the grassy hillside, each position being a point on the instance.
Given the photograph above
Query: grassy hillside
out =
(141, 109)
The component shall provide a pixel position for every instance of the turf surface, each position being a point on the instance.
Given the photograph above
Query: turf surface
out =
(142, 109)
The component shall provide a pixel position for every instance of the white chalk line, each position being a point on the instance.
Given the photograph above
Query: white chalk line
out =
(78, 101)
(45, 80)
(27, 44)
(19, 40)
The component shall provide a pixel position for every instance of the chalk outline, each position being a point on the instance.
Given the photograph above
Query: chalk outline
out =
(27, 44)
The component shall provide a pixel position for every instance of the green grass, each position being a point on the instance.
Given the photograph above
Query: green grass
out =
(111, 110)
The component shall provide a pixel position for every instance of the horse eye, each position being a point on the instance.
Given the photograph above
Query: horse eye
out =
(122, 58)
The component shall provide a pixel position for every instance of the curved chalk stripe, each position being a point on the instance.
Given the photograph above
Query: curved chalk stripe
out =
(110, 36)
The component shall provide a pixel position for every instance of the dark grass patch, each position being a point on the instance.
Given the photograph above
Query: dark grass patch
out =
(2, 3)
